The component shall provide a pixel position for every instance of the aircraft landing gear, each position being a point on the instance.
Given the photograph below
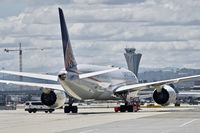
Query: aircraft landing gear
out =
(70, 108)
(73, 109)
(128, 108)
(132, 106)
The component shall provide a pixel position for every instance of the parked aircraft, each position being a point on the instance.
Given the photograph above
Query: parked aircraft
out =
(85, 82)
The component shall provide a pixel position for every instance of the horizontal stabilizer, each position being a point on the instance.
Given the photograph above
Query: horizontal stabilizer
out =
(32, 75)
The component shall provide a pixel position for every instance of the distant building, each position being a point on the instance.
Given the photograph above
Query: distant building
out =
(165, 73)
(132, 60)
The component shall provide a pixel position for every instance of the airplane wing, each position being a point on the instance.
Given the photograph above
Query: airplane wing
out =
(142, 86)
(32, 75)
(40, 85)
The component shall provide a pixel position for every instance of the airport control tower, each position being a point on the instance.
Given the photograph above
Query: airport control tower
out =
(132, 59)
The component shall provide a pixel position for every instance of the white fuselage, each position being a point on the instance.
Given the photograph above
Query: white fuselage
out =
(99, 87)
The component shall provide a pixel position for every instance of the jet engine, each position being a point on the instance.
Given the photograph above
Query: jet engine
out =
(165, 96)
(53, 98)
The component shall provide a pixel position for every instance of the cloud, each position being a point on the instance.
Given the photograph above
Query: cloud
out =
(166, 32)
(90, 2)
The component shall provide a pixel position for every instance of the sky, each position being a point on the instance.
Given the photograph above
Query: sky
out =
(166, 32)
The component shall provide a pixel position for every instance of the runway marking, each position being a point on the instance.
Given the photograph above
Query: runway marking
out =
(182, 125)
(167, 131)
(89, 131)
(187, 123)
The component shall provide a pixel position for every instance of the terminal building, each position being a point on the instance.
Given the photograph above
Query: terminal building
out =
(132, 60)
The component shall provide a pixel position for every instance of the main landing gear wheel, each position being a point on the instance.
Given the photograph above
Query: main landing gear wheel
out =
(124, 108)
(74, 109)
(68, 109)
(131, 105)
(129, 108)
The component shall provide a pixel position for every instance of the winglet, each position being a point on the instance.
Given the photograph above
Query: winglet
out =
(69, 60)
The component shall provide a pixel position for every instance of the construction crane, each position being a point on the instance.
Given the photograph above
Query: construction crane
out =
(20, 55)
(20, 58)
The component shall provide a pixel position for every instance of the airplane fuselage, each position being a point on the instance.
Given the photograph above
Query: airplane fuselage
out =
(99, 87)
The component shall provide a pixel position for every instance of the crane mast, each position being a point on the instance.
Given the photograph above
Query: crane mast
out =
(20, 55)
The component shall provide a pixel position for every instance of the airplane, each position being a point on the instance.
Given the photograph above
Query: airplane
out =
(93, 82)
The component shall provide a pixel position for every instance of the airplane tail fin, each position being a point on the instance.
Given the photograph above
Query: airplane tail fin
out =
(69, 60)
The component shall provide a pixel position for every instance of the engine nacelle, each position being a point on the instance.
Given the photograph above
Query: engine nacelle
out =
(53, 99)
(166, 96)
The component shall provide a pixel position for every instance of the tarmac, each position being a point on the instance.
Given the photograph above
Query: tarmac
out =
(103, 120)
